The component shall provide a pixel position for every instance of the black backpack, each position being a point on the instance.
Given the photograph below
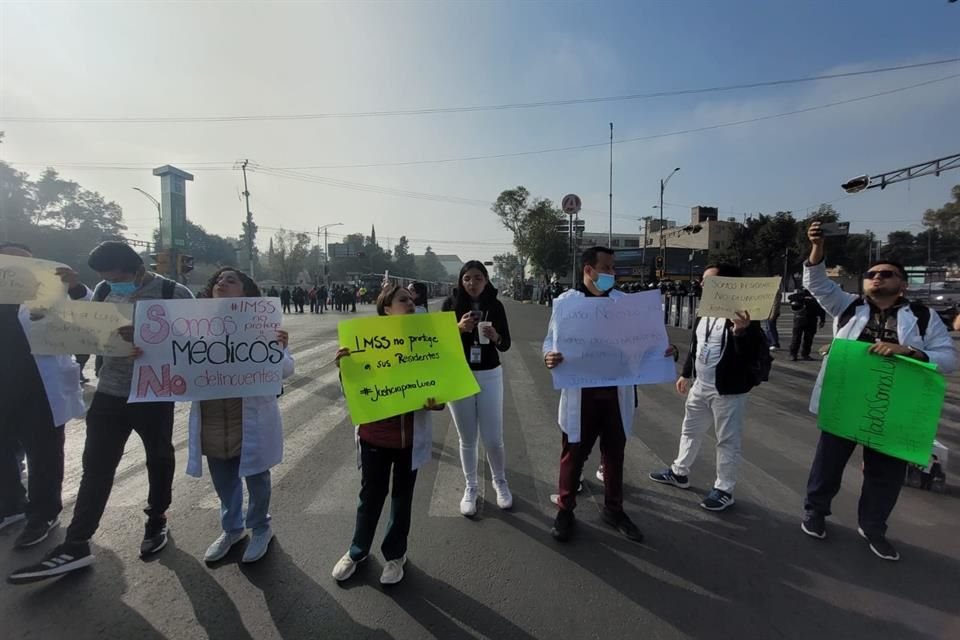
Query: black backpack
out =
(763, 364)
(921, 311)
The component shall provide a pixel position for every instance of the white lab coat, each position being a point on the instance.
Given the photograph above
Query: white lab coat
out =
(61, 379)
(937, 343)
(262, 446)
(569, 411)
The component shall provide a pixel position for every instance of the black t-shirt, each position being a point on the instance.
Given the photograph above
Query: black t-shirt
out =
(491, 310)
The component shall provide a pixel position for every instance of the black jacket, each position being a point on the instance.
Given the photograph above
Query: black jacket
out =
(806, 310)
(494, 312)
(735, 369)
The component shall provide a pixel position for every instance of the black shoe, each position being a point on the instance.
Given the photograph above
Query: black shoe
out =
(717, 500)
(35, 532)
(64, 558)
(808, 359)
(622, 523)
(155, 536)
(667, 476)
(880, 546)
(793, 358)
(814, 525)
(563, 525)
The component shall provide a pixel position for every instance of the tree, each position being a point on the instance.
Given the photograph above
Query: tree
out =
(506, 266)
(547, 248)
(430, 269)
(208, 248)
(512, 207)
(404, 263)
(944, 223)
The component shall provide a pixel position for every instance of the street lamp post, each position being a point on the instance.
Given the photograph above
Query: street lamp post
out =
(159, 215)
(326, 255)
(663, 246)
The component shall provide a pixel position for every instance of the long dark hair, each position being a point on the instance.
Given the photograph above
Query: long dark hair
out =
(250, 288)
(421, 293)
(461, 299)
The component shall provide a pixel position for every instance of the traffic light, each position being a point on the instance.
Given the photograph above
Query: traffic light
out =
(184, 264)
(160, 262)
(659, 262)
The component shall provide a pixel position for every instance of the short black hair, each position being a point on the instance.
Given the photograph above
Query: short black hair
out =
(114, 255)
(590, 256)
(901, 270)
(15, 245)
(726, 270)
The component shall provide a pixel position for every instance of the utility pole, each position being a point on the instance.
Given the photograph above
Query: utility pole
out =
(610, 231)
(249, 234)
(643, 250)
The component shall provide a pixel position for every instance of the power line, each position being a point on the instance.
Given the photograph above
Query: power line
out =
(472, 108)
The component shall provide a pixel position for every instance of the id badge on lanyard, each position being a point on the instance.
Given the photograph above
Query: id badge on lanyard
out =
(475, 354)
(707, 349)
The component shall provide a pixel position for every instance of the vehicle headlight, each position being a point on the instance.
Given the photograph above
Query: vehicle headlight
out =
(939, 298)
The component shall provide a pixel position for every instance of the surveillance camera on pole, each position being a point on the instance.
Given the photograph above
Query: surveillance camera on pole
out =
(856, 185)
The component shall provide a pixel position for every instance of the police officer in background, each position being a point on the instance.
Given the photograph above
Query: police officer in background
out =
(808, 315)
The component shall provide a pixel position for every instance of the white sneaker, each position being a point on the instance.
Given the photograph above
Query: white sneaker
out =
(346, 567)
(600, 474)
(468, 506)
(393, 571)
(504, 497)
(222, 545)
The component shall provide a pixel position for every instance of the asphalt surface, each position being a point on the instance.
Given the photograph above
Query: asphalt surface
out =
(747, 573)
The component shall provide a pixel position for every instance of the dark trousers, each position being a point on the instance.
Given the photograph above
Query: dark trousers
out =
(27, 426)
(882, 479)
(599, 418)
(109, 423)
(285, 306)
(376, 464)
(802, 339)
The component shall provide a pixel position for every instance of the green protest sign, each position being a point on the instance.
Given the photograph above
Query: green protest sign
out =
(397, 362)
(888, 404)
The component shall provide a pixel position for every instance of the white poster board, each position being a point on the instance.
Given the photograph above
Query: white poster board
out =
(205, 349)
(79, 326)
(723, 297)
(30, 282)
(611, 341)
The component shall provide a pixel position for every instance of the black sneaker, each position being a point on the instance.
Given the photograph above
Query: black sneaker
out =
(667, 476)
(64, 558)
(814, 525)
(622, 523)
(11, 519)
(35, 532)
(155, 536)
(717, 500)
(880, 546)
(563, 525)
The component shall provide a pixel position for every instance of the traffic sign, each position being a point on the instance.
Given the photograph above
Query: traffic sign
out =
(571, 204)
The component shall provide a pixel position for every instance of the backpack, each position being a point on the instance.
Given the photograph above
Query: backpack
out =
(103, 290)
(763, 364)
(921, 311)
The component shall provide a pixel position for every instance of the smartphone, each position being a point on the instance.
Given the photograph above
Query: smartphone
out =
(828, 229)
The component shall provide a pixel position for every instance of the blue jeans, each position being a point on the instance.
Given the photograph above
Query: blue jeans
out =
(773, 335)
(227, 482)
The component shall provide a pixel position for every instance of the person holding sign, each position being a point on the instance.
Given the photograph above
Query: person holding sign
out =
(110, 420)
(242, 438)
(722, 358)
(397, 446)
(894, 327)
(587, 414)
(38, 395)
(485, 334)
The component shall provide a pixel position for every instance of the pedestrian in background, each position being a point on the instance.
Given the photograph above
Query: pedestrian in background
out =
(808, 316)
(420, 297)
(285, 298)
(242, 439)
(397, 446)
(484, 333)
(721, 358)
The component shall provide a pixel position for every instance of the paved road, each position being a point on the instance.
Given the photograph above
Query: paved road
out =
(747, 573)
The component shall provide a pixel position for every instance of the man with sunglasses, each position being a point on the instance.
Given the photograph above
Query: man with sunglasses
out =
(894, 326)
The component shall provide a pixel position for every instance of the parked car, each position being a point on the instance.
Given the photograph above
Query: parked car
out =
(942, 297)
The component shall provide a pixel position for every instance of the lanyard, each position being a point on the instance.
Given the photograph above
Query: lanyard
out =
(709, 330)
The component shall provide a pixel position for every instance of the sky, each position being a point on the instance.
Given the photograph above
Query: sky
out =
(168, 60)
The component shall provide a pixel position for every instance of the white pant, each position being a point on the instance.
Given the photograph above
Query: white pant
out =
(703, 407)
(481, 416)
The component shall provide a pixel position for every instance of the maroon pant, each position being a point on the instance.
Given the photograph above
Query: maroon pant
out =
(599, 418)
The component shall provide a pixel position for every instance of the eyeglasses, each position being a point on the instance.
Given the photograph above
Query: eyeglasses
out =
(883, 273)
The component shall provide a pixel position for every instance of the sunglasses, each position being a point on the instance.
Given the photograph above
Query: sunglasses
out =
(883, 273)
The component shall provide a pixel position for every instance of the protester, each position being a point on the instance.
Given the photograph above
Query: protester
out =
(420, 296)
(396, 446)
(893, 326)
(299, 296)
(110, 420)
(322, 298)
(312, 298)
(273, 293)
(484, 333)
(285, 298)
(770, 326)
(38, 395)
(721, 359)
(242, 438)
(808, 315)
(589, 414)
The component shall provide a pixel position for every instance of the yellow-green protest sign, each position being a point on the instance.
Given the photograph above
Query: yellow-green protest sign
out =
(888, 404)
(397, 362)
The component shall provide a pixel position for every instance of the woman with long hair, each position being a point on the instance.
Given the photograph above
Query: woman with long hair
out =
(397, 447)
(242, 438)
(485, 334)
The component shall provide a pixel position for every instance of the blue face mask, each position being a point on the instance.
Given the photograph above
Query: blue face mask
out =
(605, 281)
(125, 289)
